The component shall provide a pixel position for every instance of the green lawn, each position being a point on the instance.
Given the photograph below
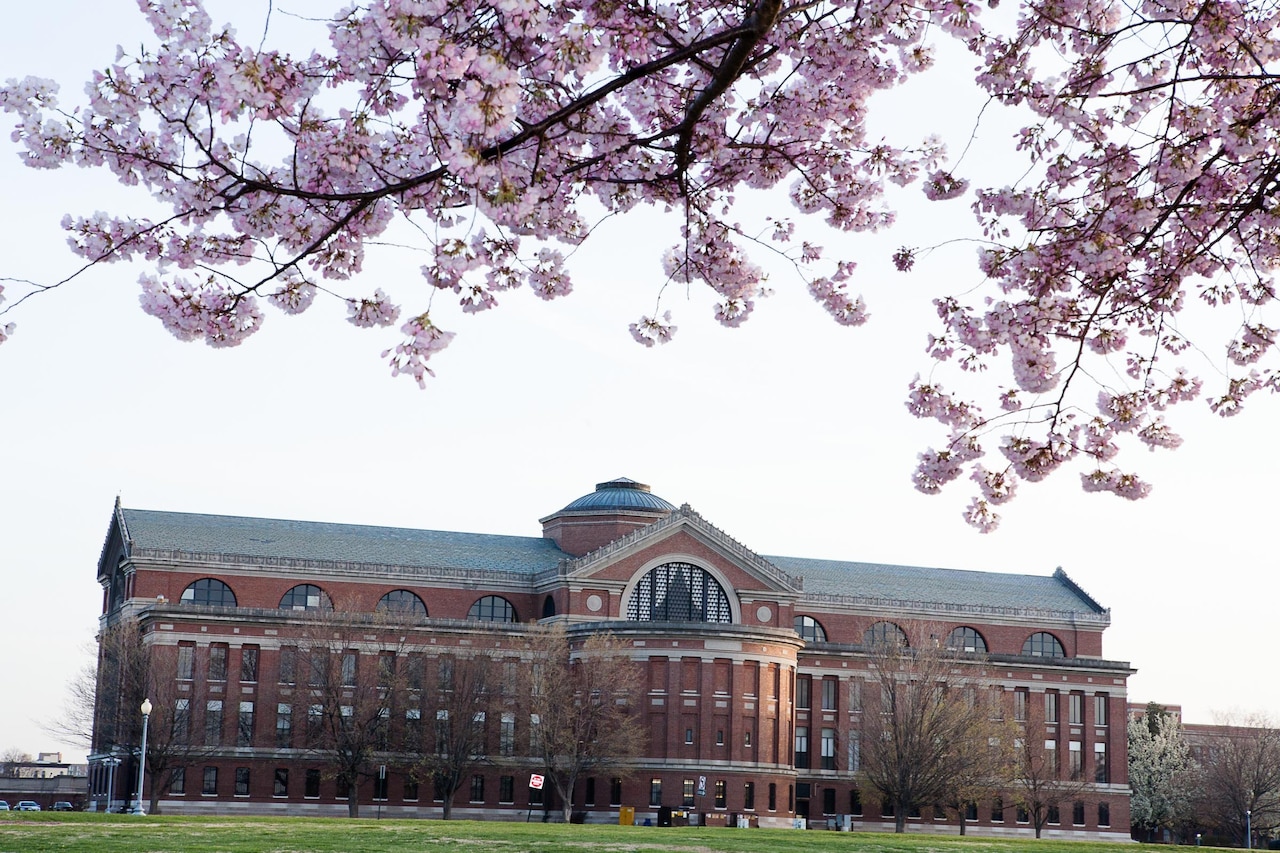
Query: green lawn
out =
(36, 833)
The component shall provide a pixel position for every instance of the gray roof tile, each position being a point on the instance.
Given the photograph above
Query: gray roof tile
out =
(310, 540)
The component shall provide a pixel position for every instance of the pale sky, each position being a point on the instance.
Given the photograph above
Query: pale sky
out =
(789, 433)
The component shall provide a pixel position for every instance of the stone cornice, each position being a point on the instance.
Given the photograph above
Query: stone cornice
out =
(164, 557)
(916, 609)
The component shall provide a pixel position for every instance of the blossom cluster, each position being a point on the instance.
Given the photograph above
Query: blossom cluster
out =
(497, 131)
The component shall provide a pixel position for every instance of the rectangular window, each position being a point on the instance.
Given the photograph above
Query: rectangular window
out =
(341, 788)
(244, 725)
(1051, 706)
(209, 788)
(1075, 709)
(802, 747)
(828, 746)
(506, 789)
(688, 736)
(213, 722)
(288, 665)
(1100, 771)
(477, 788)
(218, 662)
(536, 796)
(535, 734)
(349, 668)
(997, 810)
(773, 796)
(853, 746)
(829, 688)
(689, 786)
(442, 731)
(444, 673)
(1100, 710)
(1075, 755)
(1053, 816)
(281, 786)
(380, 784)
(242, 781)
(655, 792)
(507, 734)
(317, 667)
(386, 669)
(414, 675)
(249, 665)
(804, 692)
(855, 696)
(1104, 814)
(182, 721)
(855, 802)
(312, 789)
(186, 661)
(1077, 813)
(589, 798)
(720, 794)
(1020, 704)
(178, 781)
(284, 725)
(828, 800)
(315, 722)
(1022, 815)
(410, 789)
(1051, 758)
(615, 791)
(412, 728)
(749, 796)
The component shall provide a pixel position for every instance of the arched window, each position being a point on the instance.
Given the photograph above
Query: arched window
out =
(678, 592)
(492, 608)
(884, 634)
(548, 607)
(403, 602)
(810, 629)
(305, 597)
(966, 639)
(209, 592)
(1042, 644)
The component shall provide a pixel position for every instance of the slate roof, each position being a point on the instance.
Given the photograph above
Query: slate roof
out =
(393, 546)
(311, 540)
(1055, 592)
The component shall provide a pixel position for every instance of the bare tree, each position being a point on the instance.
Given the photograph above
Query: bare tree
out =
(455, 738)
(353, 688)
(1040, 785)
(935, 736)
(1241, 776)
(10, 761)
(104, 705)
(580, 695)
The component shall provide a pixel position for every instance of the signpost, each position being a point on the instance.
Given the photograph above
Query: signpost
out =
(536, 781)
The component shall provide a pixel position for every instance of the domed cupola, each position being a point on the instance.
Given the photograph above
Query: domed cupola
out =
(613, 510)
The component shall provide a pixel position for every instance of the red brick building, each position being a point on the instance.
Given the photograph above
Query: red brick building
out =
(754, 666)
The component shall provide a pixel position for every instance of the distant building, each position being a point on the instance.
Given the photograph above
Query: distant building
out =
(46, 780)
(753, 665)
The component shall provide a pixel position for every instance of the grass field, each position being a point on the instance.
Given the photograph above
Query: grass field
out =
(88, 833)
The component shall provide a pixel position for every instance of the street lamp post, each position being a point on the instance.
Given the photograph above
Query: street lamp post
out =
(1248, 829)
(111, 762)
(142, 757)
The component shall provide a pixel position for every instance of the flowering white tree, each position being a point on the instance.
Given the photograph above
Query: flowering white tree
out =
(1162, 772)
(499, 130)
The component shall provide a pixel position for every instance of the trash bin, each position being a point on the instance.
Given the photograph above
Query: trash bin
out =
(664, 816)
(627, 816)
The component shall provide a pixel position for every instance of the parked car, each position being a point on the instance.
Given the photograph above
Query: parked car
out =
(28, 806)
(63, 806)
(4, 805)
